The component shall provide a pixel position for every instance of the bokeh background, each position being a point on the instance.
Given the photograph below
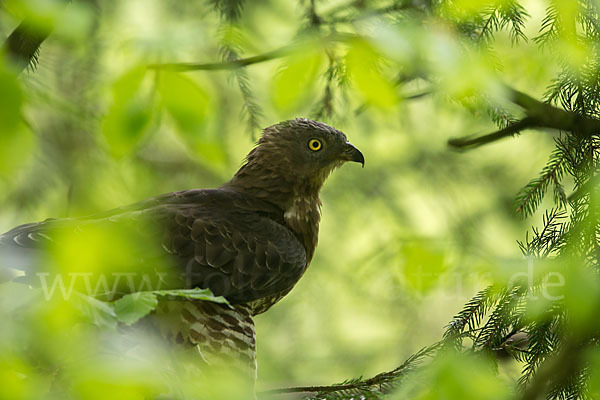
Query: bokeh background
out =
(404, 242)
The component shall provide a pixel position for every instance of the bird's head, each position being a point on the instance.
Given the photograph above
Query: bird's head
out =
(305, 148)
(308, 146)
(295, 152)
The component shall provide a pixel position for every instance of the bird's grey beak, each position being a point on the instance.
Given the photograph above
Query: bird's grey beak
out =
(351, 153)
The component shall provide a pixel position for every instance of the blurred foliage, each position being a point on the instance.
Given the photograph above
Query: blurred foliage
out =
(128, 99)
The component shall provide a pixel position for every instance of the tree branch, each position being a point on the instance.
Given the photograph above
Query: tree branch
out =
(244, 62)
(510, 130)
(23, 43)
(226, 65)
(379, 381)
(557, 369)
(538, 115)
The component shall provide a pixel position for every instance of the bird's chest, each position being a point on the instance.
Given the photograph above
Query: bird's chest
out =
(302, 217)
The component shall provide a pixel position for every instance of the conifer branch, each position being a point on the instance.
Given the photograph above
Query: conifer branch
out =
(496, 329)
(538, 115)
(335, 77)
(229, 10)
(542, 340)
(382, 382)
(23, 45)
(250, 109)
(470, 316)
(555, 371)
(530, 197)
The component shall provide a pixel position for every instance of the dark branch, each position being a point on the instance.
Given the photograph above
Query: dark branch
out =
(244, 62)
(23, 44)
(226, 65)
(312, 389)
(418, 95)
(538, 115)
(548, 116)
(510, 130)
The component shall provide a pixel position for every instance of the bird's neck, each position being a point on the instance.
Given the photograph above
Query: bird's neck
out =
(297, 198)
(303, 216)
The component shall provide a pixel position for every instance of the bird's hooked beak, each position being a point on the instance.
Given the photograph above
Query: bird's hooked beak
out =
(351, 153)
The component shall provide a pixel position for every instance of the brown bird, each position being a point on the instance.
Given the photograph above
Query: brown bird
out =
(249, 241)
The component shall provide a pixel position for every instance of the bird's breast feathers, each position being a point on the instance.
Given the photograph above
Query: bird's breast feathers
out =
(303, 217)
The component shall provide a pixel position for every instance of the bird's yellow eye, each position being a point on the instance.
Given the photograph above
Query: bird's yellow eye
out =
(314, 144)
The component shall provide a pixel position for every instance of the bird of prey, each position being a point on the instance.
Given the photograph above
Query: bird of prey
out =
(250, 240)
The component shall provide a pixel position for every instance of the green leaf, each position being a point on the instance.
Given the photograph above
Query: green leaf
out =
(132, 307)
(75, 22)
(97, 312)
(186, 102)
(42, 15)
(10, 102)
(461, 376)
(190, 107)
(16, 148)
(196, 294)
(292, 85)
(16, 140)
(365, 72)
(129, 115)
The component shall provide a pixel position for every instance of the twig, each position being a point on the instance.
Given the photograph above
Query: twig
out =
(312, 389)
(378, 379)
(510, 130)
(226, 65)
(244, 62)
(538, 115)
(417, 95)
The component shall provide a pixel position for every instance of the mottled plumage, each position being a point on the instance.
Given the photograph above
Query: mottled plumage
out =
(249, 240)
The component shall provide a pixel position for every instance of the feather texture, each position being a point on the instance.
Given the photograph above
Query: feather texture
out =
(249, 241)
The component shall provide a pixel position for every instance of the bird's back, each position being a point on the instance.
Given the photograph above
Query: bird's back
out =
(236, 245)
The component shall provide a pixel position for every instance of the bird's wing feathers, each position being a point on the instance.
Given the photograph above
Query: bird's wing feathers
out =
(241, 255)
(217, 239)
